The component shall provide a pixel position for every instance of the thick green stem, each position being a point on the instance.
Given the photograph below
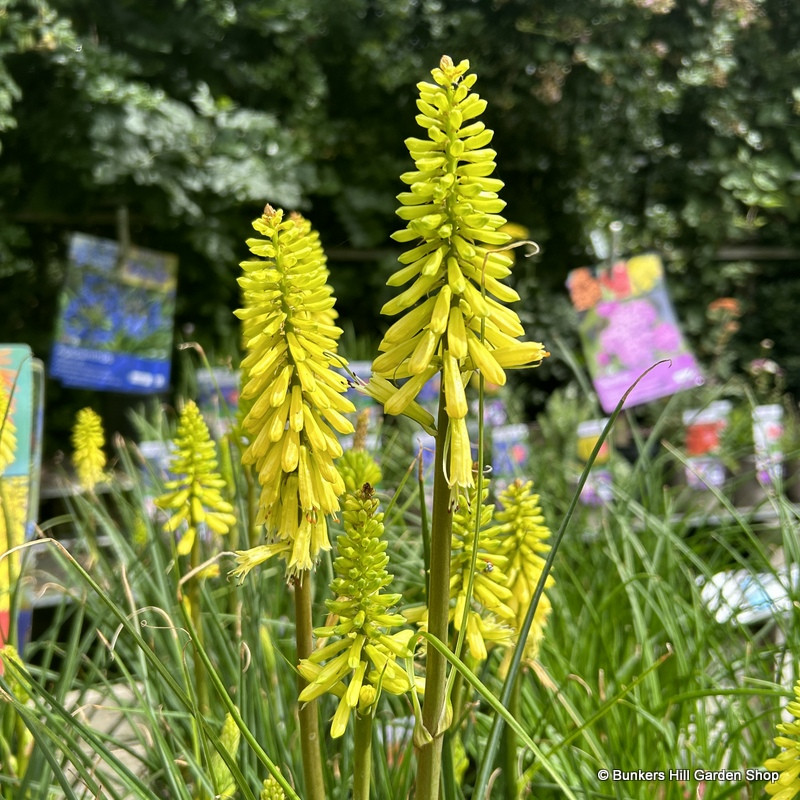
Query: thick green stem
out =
(362, 768)
(309, 721)
(433, 710)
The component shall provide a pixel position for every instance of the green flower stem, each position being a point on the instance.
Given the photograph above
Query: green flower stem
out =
(309, 722)
(433, 709)
(448, 762)
(487, 760)
(91, 529)
(457, 698)
(362, 769)
(9, 719)
(193, 595)
(510, 745)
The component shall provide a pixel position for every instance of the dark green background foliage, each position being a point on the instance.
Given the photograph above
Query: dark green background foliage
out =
(680, 119)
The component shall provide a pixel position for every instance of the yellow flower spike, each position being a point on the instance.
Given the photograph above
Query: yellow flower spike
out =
(291, 340)
(362, 613)
(522, 533)
(87, 442)
(194, 496)
(452, 276)
(489, 614)
(787, 762)
(357, 467)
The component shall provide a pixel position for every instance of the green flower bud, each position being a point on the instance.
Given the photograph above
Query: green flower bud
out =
(359, 658)
(272, 790)
(223, 778)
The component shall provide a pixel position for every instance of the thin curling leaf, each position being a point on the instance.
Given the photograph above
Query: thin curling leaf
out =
(87, 442)
(194, 497)
(293, 395)
(359, 658)
(453, 277)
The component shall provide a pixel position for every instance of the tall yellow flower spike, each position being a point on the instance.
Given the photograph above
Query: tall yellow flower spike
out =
(295, 397)
(787, 762)
(522, 532)
(87, 442)
(490, 616)
(194, 497)
(360, 660)
(455, 319)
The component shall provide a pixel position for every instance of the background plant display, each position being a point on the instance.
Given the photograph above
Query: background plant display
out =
(626, 325)
(114, 330)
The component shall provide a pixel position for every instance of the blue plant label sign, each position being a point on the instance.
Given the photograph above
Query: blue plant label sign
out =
(114, 330)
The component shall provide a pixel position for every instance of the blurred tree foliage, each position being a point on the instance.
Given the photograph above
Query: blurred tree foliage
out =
(679, 119)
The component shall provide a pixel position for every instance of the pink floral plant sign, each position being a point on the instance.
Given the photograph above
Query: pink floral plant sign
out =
(627, 324)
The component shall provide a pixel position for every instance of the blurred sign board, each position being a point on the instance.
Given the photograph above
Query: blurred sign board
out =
(626, 325)
(114, 329)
